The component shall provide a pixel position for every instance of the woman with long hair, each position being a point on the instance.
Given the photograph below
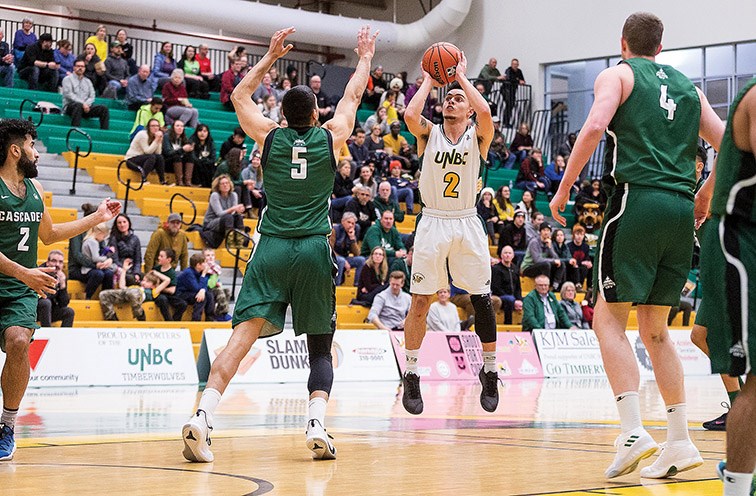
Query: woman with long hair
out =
(177, 152)
(505, 209)
(99, 270)
(163, 65)
(380, 117)
(563, 252)
(527, 205)
(487, 212)
(145, 152)
(195, 85)
(373, 277)
(203, 156)
(126, 246)
(95, 67)
(233, 164)
(366, 179)
(224, 212)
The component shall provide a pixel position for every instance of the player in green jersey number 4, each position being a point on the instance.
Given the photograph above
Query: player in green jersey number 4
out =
(24, 220)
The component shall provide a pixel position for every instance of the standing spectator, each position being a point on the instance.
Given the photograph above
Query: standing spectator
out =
(177, 102)
(505, 209)
(65, 59)
(7, 69)
(177, 152)
(95, 67)
(520, 146)
(163, 65)
(167, 299)
(236, 140)
(515, 235)
(229, 80)
(357, 148)
(580, 251)
(203, 156)
(532, 175)
(505, 283)
(252, 182)
(206, 68)
(265, 90)
(38, 67)
(195, 84)
(146, 113)
(145, 152)
(487, 212)
(191, 288)
(379, 118)
(325, 110)
(168, 236)
(147, 290)
(513, 74)
(555, 172)
(442, 314)
(514, 78)
(572, 308)
(391, 306)
(224, 212)
(372, 278)
(99, 41)
(347, 248)
(541, 259)
(401, 188)
(126, 247)
(363, 208)
(139, 89)
(116, 72)
(236, 54)
(101, 268)
(527, 205)
(128, 51)
(79, 96)
(384, 201)
(24, 38)
(55, 306)
(489, 73)
(565, 149)
(541, 310)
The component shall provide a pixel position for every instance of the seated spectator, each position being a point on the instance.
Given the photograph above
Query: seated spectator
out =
(580, 251)
(555, 172)
(79, 97)
(375, 143)
(206, 68)
(236, 54)
(133, 295)
(563, 251)
(373, 277)
(170, 236)
(442, 314)
(367, 180)
(541, 259)
(99, 267)
(224, 212)
(342, 189)
(363, 208)
(384, 202)
(177, 102)
(521, 145)
(392, 113)
(38, 67)
(116, 72)
(163, 65)
(404, 265)
(401, 188)
(282, 89)
(376, 86)
(498, 152)
(358, 148)
(532, 176)
(229, 80)
(167, 298)
(411, 90)
(146, 113)
(399, 104)
(394, 141)
(533, 228)
(128, 51)
(55, 307)
(196, 86)
(191, 288)
(346, 247)
(95, 67)
(487, 212)
(178, 153)
(232, 166)
(593, 193)
(221, 295)
(23, 38)
(384, 234)
(252, 182)
(76, 259)
(145, 152)
(380, 119)
(271, 109)
(325, 110)
(515, 235)
(126, 247)
(275, 77)
(505, 283)
(572, 308)
(527, 205)
(7, 69)
(461, 298)
(541, 310)
(65, 59)
(565, 149)
(505, 209)
(236, 140)
(203, 156)
(139, 89)
(391, 306)
(265, 90)
(99, 41)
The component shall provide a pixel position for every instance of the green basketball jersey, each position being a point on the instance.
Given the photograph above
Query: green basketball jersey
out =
(736, 173)
(652, 139)
(299, 167)
(19, 229)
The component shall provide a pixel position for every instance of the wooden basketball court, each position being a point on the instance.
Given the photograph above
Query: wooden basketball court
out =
(548, 437)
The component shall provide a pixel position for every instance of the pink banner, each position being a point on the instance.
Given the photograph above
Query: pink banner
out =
(516, 356)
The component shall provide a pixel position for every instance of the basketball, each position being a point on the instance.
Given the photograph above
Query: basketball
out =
(440, 61)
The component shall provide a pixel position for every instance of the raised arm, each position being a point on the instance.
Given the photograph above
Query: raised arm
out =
(484, 121)
(342, 122)
(418, 125)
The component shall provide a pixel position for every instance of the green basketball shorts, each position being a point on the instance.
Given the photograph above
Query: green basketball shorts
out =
(20, 311)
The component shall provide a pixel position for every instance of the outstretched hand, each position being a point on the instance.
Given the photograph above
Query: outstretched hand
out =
(365, 42)
(109, 209)
(277, 47)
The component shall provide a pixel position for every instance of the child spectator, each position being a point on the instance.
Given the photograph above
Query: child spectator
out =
(150, 288)
(191, 289)
(221, 294)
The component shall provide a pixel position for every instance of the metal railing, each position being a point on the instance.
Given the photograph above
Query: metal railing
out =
(127, 182)
(181, 213)
(34, 106)
(77, 153)
(235, 241)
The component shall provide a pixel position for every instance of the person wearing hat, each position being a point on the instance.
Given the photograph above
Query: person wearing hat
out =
(38, 66)
(170, 236)
(116, 71)
(515, 235)
(541, 259)
(394, 141)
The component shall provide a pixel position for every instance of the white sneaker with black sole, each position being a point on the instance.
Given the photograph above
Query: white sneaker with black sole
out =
(675, 457)
(319, 442)
(196, 435)
(632, 447)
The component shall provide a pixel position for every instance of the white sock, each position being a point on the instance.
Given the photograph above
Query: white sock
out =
(489, 361)
(628, 405)
(9, 417)
(411, 357)
(677, 422)
(737, 484)
(209, 400)
(317, 409)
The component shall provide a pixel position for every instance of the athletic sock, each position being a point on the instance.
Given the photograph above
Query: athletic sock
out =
(489, 361)
(317, 409)
(9, 417)
(411, 357)
(732, 395)
(737, 484)
(677, 422)
(209, 400)
(628, 405)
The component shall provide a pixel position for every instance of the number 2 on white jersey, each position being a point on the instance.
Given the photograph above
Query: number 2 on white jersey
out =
(299, 172)
(22, 246)
(667, 103)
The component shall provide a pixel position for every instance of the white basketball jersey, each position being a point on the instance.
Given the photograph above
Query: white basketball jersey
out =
(450, 171)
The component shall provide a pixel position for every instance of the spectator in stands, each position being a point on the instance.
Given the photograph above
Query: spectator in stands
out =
(572, 308)
(55, 307)
(361, 205)
(442, 314)
(177, 153)
(23, 38)
(291, 74)
(520, 146)
(392, 113)
(271, 109)
(555, 172)
(541, 259)
(375, 88)
(139, 89)
(145, 152)
(224, 212)
(191, 288)
(366, 179)
(65, 59)
(203, 156)
(592, 193)
(683, 306)
(196, 86)
(533, 228)
(206, 68)
(541, 310)
(220, 294)
(133, 295)
(232, 166)
(167, 297)
(95, 67)
(563, 251)
(532, 175)
(411, 90)
(514, 234)
(325, 110)
(76, 259)
(126, 247)
(505, 283)
(396, 86)
(347, 248)
(99, 41)
(177, 102)
(461, 298)
(236, 54)
(99, 267)
(498, 152)
(163, 65)
(128, 51)
(275, 77)
(116, 72)
(236, 140)
(38, 67)
(168, 236)
(505, 209)
(394, 141)
(372, 278)
(384, 201)
(527, 205)
(513, 74)
(79, 97)
(283, 88)
(358, 148)
(489, 73)
(404, 265)
(7, 69)
(515, 78)
(384, 234)
(401, 188)
(145, 114)
(580, 251)
(565, 149)
(378, 118)
(342, 189)
(252, 180)
(391, 306)
(487, 212)
(264, 90)
(375, 143)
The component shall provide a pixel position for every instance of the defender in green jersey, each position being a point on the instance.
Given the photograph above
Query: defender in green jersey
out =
(23, 220)
(292, 262)
(652, 116)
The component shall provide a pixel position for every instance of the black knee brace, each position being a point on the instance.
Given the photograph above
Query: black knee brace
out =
(485, 320)
(321, 362)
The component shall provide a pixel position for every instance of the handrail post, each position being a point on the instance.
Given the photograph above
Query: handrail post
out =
(72, 191)
(126, 196)
(236, 272)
